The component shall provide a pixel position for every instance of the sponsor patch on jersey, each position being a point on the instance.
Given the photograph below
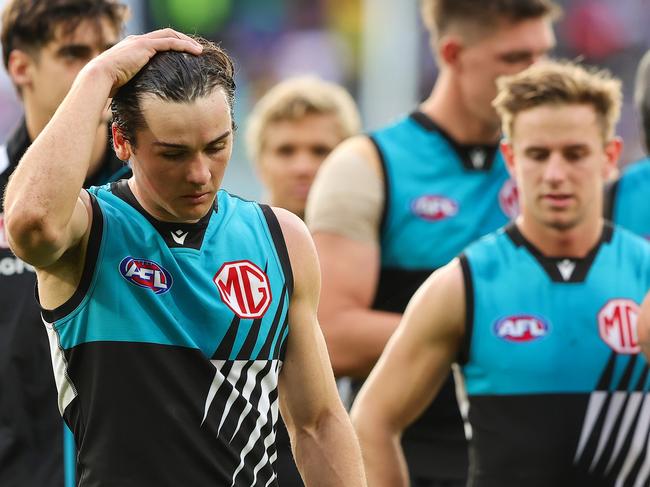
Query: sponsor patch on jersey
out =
(521, 328)
(509, 199)
(244, 288)
(434, 208)
(147, 274)
(617, 325)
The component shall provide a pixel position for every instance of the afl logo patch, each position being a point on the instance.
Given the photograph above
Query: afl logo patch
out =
(617, 322)
(521, 328)
(509, 199)
(147, 274)
(244, 288)
(434, 208)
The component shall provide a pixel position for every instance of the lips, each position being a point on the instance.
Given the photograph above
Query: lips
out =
(196, 198)
(558, 199)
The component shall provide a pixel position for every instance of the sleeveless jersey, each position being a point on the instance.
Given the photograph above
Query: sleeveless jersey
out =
(628, 199)
(167, 357)
(556, 384)
(439, 197)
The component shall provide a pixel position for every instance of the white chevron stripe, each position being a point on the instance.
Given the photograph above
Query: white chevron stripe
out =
(265, 460)
(615, 406)
(642, 476)
(65, 388)
(247, 390)
(214, 387)
(630, 412)
(256, 434)
(639, 439)
(273, 477)
(596, 401)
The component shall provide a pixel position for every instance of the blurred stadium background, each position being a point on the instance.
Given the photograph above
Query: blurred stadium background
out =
(377, 49)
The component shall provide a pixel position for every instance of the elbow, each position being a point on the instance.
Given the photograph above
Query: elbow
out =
(347, 358)
(29, 235)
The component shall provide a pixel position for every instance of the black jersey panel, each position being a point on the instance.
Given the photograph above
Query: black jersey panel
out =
(119, 411)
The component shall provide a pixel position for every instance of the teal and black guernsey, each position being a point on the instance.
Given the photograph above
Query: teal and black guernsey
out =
(167, 357)
(439, 197)
(558, 388)
(628, 199)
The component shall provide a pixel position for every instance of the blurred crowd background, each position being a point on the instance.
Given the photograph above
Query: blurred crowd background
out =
(377, 49)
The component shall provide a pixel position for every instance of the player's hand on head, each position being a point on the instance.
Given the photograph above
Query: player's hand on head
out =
(123, 61)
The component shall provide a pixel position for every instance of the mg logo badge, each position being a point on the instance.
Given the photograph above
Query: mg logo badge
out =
(244, 288)
(617, 322)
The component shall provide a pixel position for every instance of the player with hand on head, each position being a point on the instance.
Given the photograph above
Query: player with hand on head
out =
(181, 318)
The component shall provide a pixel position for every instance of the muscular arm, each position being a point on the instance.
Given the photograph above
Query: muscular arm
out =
(343, 213)
(325, 447)
(411, 370)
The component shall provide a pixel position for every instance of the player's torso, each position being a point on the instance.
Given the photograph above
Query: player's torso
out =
(630, 199)
(440, 197)
(174, 352)
(554, 377)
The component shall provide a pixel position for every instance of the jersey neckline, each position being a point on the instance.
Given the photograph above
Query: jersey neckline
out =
(473, 157)
(562, 269)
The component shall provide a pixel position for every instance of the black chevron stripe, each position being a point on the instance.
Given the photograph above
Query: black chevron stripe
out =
(281, 345)
(265, 352)
(605, 381)
(228, 342)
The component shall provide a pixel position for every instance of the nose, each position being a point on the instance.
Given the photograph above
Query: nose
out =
(198, 171)
(306, 164)
(555, 169)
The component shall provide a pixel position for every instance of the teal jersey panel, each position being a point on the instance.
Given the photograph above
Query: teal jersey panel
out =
(144, 291)
(531, 334)
(436, 201)
(631, 206)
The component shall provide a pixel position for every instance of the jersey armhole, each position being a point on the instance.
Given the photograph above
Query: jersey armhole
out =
(92, 253)
(610, 200)
(384, 170)
(280, 245)
(463, 353)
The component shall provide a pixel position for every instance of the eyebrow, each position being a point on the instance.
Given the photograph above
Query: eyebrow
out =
(169, 145)
(80, 48)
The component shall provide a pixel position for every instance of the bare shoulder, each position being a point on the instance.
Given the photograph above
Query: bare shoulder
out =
(440, 300)
(359, 147)
(301, 249)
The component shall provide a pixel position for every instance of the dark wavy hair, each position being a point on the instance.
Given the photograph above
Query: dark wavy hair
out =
(30, 24)
(177, 77)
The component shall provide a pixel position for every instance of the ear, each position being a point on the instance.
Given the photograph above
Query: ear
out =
(613, 150)
(19, 67)
(449, 49)
(508, 153)
(120, 144)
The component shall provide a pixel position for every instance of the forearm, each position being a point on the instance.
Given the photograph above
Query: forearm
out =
(328, 454)
(383, 457)
(43, 191)
(356, 338)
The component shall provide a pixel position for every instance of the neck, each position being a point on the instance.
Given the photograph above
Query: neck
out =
(574, 242)
(36, 122)
(447, 108)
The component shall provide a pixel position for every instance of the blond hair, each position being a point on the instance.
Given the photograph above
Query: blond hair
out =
(295, 98)
(439, 16)
(559, 83)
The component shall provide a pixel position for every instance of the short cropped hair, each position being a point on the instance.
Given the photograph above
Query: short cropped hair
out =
(295, 98)
(642, 96)
(176, 77)
(441, 15)
(30, 24)
(559, 83)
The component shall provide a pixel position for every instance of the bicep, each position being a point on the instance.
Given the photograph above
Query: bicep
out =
(419, 355)
(307, 385)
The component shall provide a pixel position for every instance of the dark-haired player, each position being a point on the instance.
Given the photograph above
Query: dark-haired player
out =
(44, 45)
(182, 319)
